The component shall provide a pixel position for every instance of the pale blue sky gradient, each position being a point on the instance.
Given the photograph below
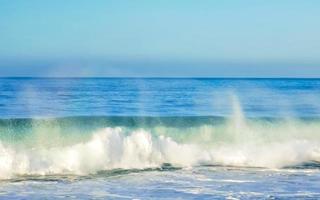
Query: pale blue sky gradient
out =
(234, 38)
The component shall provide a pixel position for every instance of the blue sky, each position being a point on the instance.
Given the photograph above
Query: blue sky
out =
(234, 38)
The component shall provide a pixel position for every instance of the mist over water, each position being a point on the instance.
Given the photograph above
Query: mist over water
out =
(91, 127)
(86, 145)
(37, 98)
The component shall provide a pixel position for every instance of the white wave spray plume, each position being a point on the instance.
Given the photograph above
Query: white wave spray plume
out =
(236, 142)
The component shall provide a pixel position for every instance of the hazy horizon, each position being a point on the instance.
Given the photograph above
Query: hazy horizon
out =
(160, 39)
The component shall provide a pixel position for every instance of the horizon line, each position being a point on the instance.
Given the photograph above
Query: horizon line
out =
(152, 77)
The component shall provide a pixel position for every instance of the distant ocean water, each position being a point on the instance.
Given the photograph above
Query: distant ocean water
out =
(159, 138)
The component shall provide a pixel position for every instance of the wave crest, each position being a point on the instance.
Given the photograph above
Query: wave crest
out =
(113, 148)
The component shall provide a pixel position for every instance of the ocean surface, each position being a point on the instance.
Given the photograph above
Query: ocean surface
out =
(157, 138)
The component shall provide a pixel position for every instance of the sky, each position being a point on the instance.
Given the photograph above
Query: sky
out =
(167, 38)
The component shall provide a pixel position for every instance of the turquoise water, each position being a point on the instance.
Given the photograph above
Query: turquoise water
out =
(159, 138)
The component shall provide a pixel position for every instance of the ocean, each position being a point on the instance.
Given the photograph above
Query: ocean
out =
(159, 138)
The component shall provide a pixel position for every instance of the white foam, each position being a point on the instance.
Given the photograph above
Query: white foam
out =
(238, 143)
(110, 148)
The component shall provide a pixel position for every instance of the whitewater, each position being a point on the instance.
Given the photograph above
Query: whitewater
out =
(269, 143)
(131, 138)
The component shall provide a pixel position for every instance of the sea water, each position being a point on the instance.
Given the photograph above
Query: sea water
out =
(156, 138)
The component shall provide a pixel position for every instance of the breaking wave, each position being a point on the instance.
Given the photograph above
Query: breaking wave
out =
(87, 145)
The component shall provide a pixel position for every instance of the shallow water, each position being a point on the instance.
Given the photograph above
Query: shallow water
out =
(193, 183)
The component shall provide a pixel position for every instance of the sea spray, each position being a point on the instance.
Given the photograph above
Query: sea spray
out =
(112, 148)
(107, 149)
(87, 145)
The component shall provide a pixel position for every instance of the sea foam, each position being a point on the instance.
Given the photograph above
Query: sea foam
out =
(110, 148)
(235, 142)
